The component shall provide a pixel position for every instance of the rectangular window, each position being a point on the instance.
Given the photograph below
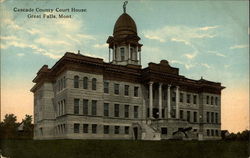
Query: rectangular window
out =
(106, 129)
(126, 129)
(76, 106)
(94, 128)
(173, 96)
(181, 114)
(106, 87)
(188, 98)
(126, 111)
(85, 106)
(126, 90)
(212, 117)
(188, 116)
(194, 99)
(207, 99)
(208, 132)
(181, 97)
(136, 111)
(216, 100)
(208, 118)
(216, 117)
(85, 128)
(122, 50)
(212, 100)
(76, 127)
(93, 111)
(64, 82)
(212, 132)
(117, 110)
(136, 90)
(195, 116)
(106, 109)
(116, 86)
(216, 133)
(164, 130)
(117, 129)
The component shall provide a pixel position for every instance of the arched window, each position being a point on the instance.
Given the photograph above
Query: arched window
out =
(94, 84)
(122, 51)
(76, 81)
(85, 82)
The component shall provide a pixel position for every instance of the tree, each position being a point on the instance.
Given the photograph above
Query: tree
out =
(9, 126)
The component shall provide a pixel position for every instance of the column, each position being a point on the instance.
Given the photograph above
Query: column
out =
(140, 57)
(129, 57)
(109, 55)
(177, 103)
(169, 107)
(114, 52)
(150, 99)
(160, 100)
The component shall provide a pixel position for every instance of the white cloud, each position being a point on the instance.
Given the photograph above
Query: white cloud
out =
(239, 46)
(190, 56)
(206, 65)
(216, 53)
(58, 37)
(51, 42)
(208, 28)
(8, 38)
(105, 45)
(20, 54)
(178, 33)
(85, 36)
(154, 37)
(186, 65)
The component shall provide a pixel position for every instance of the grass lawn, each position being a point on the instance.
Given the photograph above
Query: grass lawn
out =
(123, 148)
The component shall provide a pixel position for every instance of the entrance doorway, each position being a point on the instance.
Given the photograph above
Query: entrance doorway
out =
(135, 129)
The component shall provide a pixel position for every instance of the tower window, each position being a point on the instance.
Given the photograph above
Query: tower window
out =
(122, 50)
(131, 53)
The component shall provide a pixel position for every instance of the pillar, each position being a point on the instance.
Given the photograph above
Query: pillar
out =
(160, 100)
(109, 54)
(150, 99)
(177, 103)
(129, 57)
(169, 107)
(140, 57)
(114, 52)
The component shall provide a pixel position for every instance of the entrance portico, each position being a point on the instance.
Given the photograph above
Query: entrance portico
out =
(157, 112)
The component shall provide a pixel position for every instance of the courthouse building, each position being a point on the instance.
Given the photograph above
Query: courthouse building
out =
(82, 97)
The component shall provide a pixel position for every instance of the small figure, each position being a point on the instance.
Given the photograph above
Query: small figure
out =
(124, 6)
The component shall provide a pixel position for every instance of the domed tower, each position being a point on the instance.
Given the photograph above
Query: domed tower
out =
(124, 43)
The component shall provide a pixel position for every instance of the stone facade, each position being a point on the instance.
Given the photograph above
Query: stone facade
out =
(82, 97)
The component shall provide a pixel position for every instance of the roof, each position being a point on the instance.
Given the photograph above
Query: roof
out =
(125, 25)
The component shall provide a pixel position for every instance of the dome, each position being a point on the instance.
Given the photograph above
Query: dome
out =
(125, 25)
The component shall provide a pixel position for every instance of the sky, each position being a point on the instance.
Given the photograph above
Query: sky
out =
(201, 38)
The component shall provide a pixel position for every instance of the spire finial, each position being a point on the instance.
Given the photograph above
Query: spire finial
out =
(124, 6)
